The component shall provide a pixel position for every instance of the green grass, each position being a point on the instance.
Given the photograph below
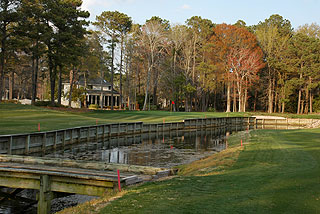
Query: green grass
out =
(24, 119)
(277, 172)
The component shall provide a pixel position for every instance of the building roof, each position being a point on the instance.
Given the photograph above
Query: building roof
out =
(94, 81)
(91, 81)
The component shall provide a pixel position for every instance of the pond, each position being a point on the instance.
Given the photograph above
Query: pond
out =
(158, 149)
(161, 149)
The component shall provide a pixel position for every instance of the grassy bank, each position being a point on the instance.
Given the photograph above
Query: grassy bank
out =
(24, 119)
(277, 171)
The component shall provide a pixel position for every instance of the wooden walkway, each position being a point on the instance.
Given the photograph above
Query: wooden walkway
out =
(48, 176)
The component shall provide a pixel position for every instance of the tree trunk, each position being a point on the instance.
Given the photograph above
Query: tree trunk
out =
(85, 88)
(228, 97)
(245, 99)
(299, 98)
(60, 86)
(71, 86)
(112, 71)
(270, 97)
(306, 108)
(310, 96)
(150, 67)
(147, 89)
(186, 104)
(101, 87)
(194, 59)
(53, 72)
(2, 61)
(299, 101)
(35, 70)
(240, 96)
(311, 100)
(255, 100)
(120, 70)
(11, 85)
(283, 107)
(276, 103)
(155, 97)
(234, 99)
(128, 76)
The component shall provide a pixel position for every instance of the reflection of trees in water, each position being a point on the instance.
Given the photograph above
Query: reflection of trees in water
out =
(154, 149)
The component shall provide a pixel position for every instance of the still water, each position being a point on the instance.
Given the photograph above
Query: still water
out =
(161, 149)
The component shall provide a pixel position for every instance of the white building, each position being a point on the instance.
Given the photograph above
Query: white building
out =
(93, 92)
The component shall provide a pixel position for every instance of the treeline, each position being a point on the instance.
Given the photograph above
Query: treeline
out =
(196, 66)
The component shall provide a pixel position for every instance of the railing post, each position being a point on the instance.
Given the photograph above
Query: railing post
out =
(88, 134)
(64, 138)
(44, 142)
(103, 131)
(45, 195)
(71, 136)
(96, 132)
(55, 140)
(27, 145)
(10, 146)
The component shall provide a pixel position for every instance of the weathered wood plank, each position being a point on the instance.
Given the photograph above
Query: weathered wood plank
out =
(89, 182)
(45, 195)
(79, 188)
(80, 164)
(15, 182)
(62, 174)
(108, 174)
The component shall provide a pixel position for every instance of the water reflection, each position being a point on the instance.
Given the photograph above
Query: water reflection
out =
(15, 207)
(161, 149)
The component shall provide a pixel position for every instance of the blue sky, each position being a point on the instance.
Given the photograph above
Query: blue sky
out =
(299, 12)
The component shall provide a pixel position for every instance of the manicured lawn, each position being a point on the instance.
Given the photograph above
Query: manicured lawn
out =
(24, 119)
(277, 172)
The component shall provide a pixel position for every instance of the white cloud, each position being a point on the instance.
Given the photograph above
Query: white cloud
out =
(91, 4)
(186, 7)
(95, 7)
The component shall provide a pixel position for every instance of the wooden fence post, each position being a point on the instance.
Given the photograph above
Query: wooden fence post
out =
(71, 136)
(44, 142)
(97, 132)
(79, 135)
(45, 195)
(10, 145)
(27, 145)
(103, 132)
(55, 140)
(88, 134)
(64, 138)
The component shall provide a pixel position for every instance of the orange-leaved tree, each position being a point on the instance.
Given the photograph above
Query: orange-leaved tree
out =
(237, 54)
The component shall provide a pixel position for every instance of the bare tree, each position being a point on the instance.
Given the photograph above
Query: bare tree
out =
(152, 39)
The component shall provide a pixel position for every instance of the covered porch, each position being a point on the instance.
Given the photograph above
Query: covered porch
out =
(105, 99)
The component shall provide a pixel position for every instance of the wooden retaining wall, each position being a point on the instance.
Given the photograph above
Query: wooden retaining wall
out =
(286, 122)
(44, 141)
